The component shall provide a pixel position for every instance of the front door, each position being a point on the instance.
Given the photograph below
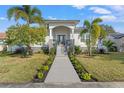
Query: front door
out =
(61, 39)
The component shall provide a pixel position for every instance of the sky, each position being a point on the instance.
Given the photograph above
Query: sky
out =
(111, 15)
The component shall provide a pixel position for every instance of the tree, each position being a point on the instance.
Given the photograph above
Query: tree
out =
(25, 12)
(28, 14)
(108, 29)
(94, 31)
(110, 45)
(25, 35)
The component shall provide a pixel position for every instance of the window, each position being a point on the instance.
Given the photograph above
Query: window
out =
(83, 38)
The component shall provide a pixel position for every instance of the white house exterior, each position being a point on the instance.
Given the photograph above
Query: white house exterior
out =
(64, 31)
(60, 31)
(67, 32)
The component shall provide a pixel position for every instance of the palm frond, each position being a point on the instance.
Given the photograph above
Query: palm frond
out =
(37, 19)
(35, 10)
(27, 9)
(95, 33)
(103, 33)
(97, 20)
(87, 24)
(22, 14)
(83, 31)
(11, 12)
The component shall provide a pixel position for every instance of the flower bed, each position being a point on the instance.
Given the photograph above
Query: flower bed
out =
(43, 70)
(82, 72)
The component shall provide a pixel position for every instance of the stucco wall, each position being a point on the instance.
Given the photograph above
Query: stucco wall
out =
(78, 40)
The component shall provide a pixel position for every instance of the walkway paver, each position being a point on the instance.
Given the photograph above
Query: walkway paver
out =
(62, 70)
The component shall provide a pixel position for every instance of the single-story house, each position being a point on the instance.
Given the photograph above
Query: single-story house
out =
(67, 32)
(61, 31)
(64, 31)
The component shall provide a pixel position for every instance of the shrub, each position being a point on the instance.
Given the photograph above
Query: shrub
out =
(86, 76)
(70, 50)
(72, 58)
(77, 49)
(79, 68)
(94, 51)
(49, 62)
(45, 68)
(40, 75)
(41, 68)
(45, 49)
(52, 51)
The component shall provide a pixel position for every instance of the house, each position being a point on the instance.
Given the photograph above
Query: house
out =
(64, 31)
(61, 31)
(2, 39)
(118, 38)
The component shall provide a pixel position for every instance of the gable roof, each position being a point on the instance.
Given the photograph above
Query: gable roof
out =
(62, 21)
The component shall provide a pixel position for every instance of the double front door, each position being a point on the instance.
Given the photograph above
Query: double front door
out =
(61, 39)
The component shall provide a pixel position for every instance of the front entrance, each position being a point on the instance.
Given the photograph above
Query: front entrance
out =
(61, 39)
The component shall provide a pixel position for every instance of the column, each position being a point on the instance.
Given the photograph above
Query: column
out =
(50, 38)
(73, 33)
(72, 38)
(50, 35)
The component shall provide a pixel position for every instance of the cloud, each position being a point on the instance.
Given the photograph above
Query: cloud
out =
(108, 18)
(117, 7)
(51, 18)
(3, 18)
(100, 10)
(79, 6)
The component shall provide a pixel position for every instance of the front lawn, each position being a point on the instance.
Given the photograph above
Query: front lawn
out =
(19, 70)
(104, 67)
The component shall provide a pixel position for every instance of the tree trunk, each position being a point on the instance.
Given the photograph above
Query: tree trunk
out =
(90, 48)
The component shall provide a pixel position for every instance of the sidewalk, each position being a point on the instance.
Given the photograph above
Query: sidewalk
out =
(66, 85)
(62, 70)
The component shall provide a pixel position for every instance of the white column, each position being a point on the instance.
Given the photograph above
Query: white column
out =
(50, 34)
(73, 33)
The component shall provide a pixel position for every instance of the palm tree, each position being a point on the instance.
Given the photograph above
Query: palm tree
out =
(27, 13)
(94, 31)
(110, 45)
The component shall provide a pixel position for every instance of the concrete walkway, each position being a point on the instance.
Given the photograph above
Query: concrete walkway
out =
(62, 70)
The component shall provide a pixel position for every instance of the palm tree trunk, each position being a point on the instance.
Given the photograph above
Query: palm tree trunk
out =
(90, 48)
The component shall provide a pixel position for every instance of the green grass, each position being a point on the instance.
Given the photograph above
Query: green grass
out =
(104, 67)
(19, 70)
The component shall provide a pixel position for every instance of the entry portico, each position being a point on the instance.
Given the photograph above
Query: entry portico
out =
(60, 31)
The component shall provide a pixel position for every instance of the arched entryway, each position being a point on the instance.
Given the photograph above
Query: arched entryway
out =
(61, 34)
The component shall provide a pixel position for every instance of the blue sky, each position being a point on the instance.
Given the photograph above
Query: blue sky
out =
(111, 15)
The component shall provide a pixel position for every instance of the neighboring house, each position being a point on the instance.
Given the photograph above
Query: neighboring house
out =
(2, 39)
(118, 38)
